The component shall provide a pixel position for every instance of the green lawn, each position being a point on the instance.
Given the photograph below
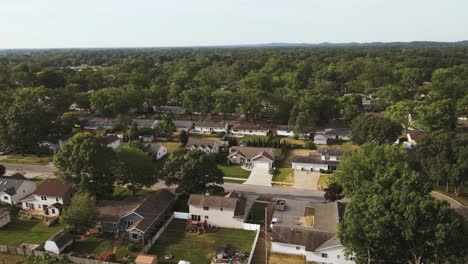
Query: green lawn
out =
(27, 159)
(240, 181)
(257, 213)
(198, 248)
(96, 245)
(234, 171)
(283, 175)
(323, 180)
(122, 192)
(23, 231)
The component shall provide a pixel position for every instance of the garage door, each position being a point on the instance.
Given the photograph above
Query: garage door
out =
(263, 165)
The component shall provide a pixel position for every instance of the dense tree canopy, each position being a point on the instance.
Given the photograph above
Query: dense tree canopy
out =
(372, 128)
(82, 214)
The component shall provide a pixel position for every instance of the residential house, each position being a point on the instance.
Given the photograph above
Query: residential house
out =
(326, 159)
(99, 123)
(4, 217)
(209, 128)
(288, 131)
(166, 109)
(49, 199)
(157, 150)
(250, 129)
(224, 211)
(332, 135)
(136, 217)
(203, 144)
(320, 139)
(112, 141)
(58, 242)
(14, 188)
(183, 125)
(252, 156)
(151, 123)
(146, 138)
(318, 242)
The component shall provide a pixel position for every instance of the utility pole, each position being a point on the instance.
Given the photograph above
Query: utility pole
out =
(266, 235)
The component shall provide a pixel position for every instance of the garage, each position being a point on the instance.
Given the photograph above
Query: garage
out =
(260, 164)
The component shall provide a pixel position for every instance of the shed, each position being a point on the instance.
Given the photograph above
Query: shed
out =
(57, 243)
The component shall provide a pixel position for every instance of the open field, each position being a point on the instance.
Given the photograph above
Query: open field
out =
(171, 146)
(27, 159)
(286, 259)
(198, 248)
(24, 231)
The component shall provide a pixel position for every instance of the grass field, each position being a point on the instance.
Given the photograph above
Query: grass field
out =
(323, 181)
(234, 171)
(171, 146)
(96, 245)
(27, 159)
(257, 213)
(198, 248)
(11, 259)
(240, 181)
(283, 175)
(23, 231)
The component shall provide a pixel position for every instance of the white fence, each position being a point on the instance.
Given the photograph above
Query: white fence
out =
(254, 245)
(250, 227)
(158, 234)
(181, 215)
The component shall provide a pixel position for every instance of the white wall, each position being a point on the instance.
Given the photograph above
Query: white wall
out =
(335, 255)
(5, 220)
(5, 198)
(161, 152)
(288, 249)
(115, 144)
(308, 167)
(51, 246)
(216, 217)
(249, 132)
(181, 215)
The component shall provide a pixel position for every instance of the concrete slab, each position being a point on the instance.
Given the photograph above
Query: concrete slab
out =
(306, 179)
(294, 215)
(259, 176)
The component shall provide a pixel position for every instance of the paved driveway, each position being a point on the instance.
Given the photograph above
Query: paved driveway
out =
(259, 176)
(306, 179)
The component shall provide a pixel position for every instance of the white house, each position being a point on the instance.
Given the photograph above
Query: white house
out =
(338, 134)
(146, 138)
(49, 199)
(320, 139)
(288, 131)
(250, 129)
(99, 123)
(224, 211)
(327, 159)
(252, 156)
(157, 150)
(57, 243)
(14, 188)
(166, 109)
(203, 144)
(4, 217)
(318, 242)
(112, 141)
(208, 128)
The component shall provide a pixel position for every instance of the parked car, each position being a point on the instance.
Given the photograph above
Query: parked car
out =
(273, 221)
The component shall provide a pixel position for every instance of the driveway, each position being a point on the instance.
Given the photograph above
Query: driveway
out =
(259, 176)
(294, 215)
(306, 179)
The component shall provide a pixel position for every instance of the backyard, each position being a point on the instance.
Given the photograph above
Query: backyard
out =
(198, 248)
(24, 231)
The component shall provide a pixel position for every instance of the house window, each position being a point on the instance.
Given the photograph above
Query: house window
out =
(114, 225)
(206, 208)
(135, 236)
(298, 248)
(38, 206)
(327, 157)
(221, 209)
(206, 217)
(53, 211)
(128, 223)
(57, 199)
(324, 255)
(5, 197)
(43, 198)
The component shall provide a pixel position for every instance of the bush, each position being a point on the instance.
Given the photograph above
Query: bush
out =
(310, 145)
(107, 256)
(133, 247)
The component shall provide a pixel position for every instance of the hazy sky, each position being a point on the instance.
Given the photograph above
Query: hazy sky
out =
(148, 23)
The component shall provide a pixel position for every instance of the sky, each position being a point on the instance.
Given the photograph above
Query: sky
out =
(155, 23)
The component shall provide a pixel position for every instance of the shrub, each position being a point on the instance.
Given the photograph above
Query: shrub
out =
(107, 256)
(310, 145)
(133, 247)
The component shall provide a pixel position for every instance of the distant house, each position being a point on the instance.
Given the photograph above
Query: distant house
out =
(288, 131)
(146, 138)
(99, 123)
(157, 150)
(224, 211)
(327, 159)
(318, 243)
(14, 188)
(136, 217)
(146, 259)
(57, 243)
(166, 109)
(250, 129)
(203, 144)
(112, 141)
(4, 217)
(252, 156)
(183, 125)
(320, 139)
(332, 135)
(209, 128)
(49, 199)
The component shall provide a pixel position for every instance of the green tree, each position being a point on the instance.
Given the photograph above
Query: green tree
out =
(193, 171)
(88, 164)
(166, 125)
(135, 168)
(82, 214)
(371, 128)
(439, 115)
(43, 259)
(223, 102)
(183, 137)
(401, 113)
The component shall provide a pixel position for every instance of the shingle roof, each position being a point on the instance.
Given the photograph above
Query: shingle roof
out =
(252, 152)
(112, 211)
(212, 201)
(313, 159)
(204, 142)
(110, 139)
(10, 184)
(4, 211)
(331, 151)
(154, 148)
(53, 188)
(61, 239)
(338, 131)
(307, 237)
(250, 127)
(209, 124)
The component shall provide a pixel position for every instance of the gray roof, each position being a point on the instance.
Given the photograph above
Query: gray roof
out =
(154, 148)
(61, 239)
(331, 151)
(210, 124)
(144, 122)
(183, 124)
(313, 159)
(232, 200)
(4, 211)
(253, 152)
(10, 184)
(338, 131)
(203, 142)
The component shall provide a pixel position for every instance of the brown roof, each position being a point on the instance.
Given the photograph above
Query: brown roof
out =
(4, 211)
(145, 258)
(307, 237)
(112, 211)
(110, 138)
(212, 201)
(331, 151)
(53, 188)
(313, 159)
(250, 126)
(252, 152)
(200, 142)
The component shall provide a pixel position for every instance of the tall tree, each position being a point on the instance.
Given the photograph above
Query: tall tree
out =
(371, 128)
(88, 164)
(82, 214)
(439, 115)
(166, 125)
(401, 113)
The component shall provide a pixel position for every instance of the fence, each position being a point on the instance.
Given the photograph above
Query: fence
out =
(250, 227)
(181, 215)
(158, 234)
(254, 245)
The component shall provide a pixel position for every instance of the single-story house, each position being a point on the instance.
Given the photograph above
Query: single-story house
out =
(14, 188)
(319, 243)
(112, 141)
(54, 147)
(49, 199)
(145, 123)
(99, 123)
(136, 217)
(326, 159)
(157, 150)
(209, 128)
(203, 144)
(320, 139)
(250, 129)
(4, 217)
(252, 156)
(183, 125)
(146, 138)
(288, 131)
(224, 211)
(338, 134)
(57, 243)
(166, 109)
(146, 259)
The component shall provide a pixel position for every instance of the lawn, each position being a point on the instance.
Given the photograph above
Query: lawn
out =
(240, 181)
(283, 175)
(171, 146)
(96, 245)
(323, 181)
(234, 171)
(27, 159)
(23, 231)
(198, 248)
(122, 192)
(286, 259)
